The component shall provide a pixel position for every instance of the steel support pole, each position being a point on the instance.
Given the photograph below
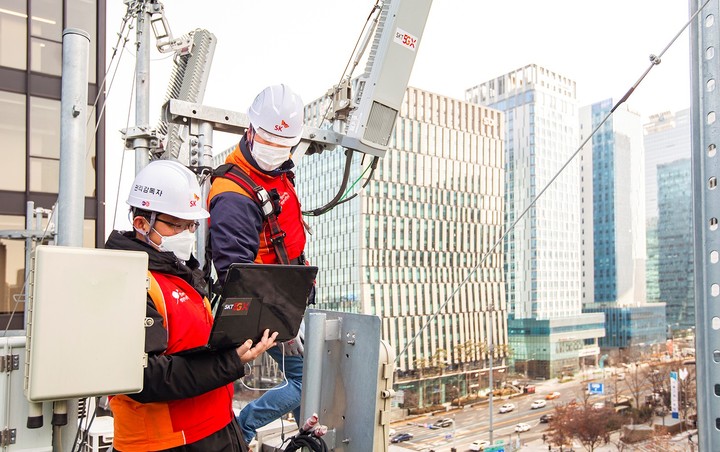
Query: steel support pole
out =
(205, 145)
(71, 195)
(73, 133)
(313, 364)
(491, 349)
(142, 86)
(705, 70)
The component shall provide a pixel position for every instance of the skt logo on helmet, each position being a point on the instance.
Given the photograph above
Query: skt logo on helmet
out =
(281, 126)
(193, 203)
(146, 203)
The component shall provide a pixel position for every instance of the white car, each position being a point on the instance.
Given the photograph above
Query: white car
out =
(522, 427)
(479, 445)
(598, 405)
(538, 404)
(508, 407)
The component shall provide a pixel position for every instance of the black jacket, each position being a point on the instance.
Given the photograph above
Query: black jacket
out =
(175, 377)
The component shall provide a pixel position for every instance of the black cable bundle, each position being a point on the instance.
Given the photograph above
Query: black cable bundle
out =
(306, 439)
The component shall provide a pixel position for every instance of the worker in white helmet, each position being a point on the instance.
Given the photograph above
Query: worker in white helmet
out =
(256, 217)
(186, 401)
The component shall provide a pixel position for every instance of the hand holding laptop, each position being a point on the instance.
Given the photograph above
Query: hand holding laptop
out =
(247, 352)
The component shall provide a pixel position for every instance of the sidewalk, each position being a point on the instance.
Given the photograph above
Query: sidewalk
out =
(677, 443)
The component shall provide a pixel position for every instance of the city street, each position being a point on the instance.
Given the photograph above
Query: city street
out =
(472, 423)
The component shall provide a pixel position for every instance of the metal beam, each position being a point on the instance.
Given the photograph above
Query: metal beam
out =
(222, 120)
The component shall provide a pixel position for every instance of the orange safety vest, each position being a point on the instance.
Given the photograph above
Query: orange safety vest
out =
(163, 425)
(290, 219)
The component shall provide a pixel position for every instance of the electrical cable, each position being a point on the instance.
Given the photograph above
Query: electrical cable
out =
(344, 74)
(124, 40)
(339, 195)
(284, 380)
(654, 61)
(82, 438)
(86, 433)
(306, 440)
(330, 205)
(371, 167)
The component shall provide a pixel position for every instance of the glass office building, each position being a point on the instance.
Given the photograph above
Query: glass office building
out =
(416, 245)
(667, 138)
(614, 239)
(613, 194)
(30, 70)
(543, 245)
(676, 282)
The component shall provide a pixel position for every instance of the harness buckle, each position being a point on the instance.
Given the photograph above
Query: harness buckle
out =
(280, 236)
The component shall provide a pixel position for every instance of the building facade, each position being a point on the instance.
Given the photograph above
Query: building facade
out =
(30, 71)
(667, 138)
(676, 282)
(614, 228)
(416, 245)
(613, 192)
(543, 244)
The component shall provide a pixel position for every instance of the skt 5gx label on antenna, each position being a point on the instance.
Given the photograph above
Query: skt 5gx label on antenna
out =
(405, 39)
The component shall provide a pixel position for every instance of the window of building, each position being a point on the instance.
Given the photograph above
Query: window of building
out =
(12, 135)
(45, 130)
(46, 19)
(46, 32)
(13, 30)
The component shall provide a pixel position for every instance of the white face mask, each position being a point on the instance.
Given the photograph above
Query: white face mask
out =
(269, 158)
(181, 244)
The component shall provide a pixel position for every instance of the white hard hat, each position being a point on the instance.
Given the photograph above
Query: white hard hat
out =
(279, 111)
(168, 187)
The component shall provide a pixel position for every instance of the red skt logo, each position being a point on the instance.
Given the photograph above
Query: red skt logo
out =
(281, 126)
(409, 40)
(242, 306)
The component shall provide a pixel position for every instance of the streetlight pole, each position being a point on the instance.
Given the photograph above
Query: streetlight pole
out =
(491, 349)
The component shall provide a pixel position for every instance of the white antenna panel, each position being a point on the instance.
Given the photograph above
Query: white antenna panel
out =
(85, 327)
(380, 90)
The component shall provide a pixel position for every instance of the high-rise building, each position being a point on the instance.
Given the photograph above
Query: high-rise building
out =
(416, 245)
(548, 332)
(613, 227)
(676, 282)
(30, 70)
(613, 192)
(667, 138)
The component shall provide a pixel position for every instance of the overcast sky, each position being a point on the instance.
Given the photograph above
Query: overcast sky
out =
(603, 45)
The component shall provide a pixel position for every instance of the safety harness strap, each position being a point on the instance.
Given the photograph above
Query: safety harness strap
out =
(269, 204)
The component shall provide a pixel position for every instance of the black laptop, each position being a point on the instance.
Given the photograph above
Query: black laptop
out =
(257, 297)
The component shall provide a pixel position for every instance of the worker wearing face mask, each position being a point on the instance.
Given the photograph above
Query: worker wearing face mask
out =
(186, 401)
(256, 217)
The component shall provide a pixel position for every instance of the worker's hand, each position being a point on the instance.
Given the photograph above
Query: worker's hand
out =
(296, 346)
(293, 347)
(247, 352)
